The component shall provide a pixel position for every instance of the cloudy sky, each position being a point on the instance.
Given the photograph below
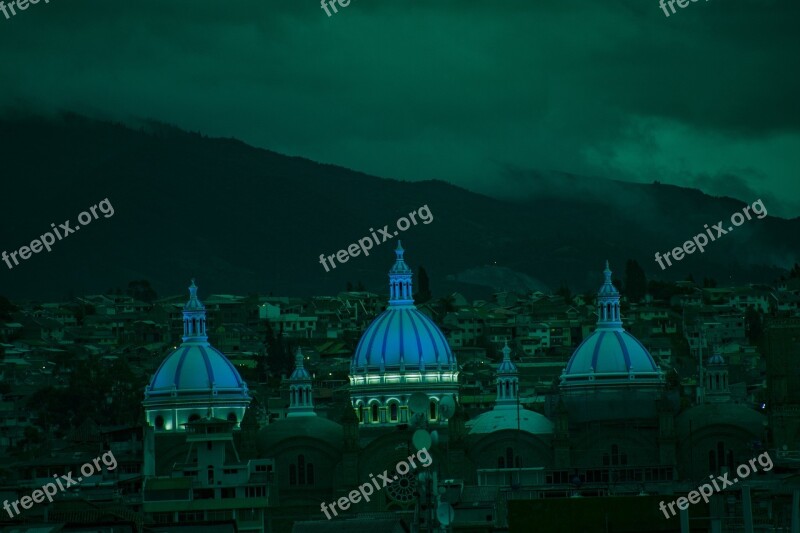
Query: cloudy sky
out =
(492, 95)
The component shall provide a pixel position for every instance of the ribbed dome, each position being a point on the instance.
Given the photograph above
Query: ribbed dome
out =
(196, 369)
(610, 355)
(402, 338)
(611, 352)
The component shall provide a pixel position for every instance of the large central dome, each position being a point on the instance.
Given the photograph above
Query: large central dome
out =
(402, 338)
(400, 353)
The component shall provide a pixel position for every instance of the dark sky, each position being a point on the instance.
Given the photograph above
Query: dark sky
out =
(498, 96)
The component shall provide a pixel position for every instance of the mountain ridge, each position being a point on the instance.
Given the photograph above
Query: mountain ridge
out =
(245, 219)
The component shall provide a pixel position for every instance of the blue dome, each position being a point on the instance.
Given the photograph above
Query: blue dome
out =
(197, 368)
(402, 338)
(610, 355)
(610, 352)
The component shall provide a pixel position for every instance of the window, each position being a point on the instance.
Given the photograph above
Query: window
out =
(393, 412)
(374, 408)
(433, 411)
(228, 492)
(194, 418)
(301, 470)
(159, 422)
(232, 417)
(255, 492)
(302, 473)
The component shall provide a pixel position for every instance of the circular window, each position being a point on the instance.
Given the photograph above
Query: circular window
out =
(402, 488)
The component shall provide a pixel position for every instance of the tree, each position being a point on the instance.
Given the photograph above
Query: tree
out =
(6, 308)
(447, 304)
(564, 292)
(424, 292)
(635, 281)
(280, 358)
(754, 325)
(141, 290)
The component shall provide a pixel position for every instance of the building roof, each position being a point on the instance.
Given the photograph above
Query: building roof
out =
(502, 419)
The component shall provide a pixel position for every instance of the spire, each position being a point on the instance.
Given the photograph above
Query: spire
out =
(608, 313)
(507, 366)
(400, 287)
(194, 318)
(507, 382)
(300, 373)
(301, 401)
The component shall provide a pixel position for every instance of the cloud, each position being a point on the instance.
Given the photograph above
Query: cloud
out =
(452, 90)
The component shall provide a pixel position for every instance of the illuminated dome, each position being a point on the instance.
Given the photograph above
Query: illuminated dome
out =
(610, 356)
(401, 352)
(402, 338)
(195, 380)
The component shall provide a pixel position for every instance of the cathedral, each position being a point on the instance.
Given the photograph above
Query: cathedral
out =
(613, 429)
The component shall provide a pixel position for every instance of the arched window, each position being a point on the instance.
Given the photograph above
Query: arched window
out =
(361, 414)
(712, 461)
(374, 408)
(301, 470)
(393, 412)
(433, 410)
